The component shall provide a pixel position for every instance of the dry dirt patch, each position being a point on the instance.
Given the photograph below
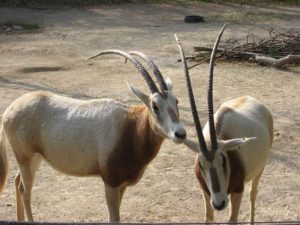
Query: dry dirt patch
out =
(55, 60)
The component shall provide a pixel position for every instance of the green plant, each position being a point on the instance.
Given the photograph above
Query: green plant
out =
(19, 26)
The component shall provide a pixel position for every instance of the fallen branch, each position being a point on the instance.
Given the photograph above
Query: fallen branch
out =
(202, 61)
(223, 52)
(279, 50)
(205, 49)
(269, 61)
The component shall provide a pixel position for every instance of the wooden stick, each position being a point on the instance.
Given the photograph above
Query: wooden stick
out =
(269, 61)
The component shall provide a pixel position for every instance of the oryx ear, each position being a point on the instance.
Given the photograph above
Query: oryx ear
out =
(194, 146)
(169, 83)
(233, 144)
(138, 93)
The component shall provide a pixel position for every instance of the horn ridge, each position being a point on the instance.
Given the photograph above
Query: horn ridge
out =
(197, 123)
(136, 63)
(213, 137)
(154, 68)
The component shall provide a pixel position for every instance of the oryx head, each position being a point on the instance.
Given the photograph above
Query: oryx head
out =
(212, 153)
(162, 104)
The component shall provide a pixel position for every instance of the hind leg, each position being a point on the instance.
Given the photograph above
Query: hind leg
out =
(24, 181)
(20, 206)
(253, 194)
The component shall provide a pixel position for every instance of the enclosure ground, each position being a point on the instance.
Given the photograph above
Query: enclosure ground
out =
(54, 58)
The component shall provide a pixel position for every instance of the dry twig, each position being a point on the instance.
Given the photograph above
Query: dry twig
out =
(279, 50)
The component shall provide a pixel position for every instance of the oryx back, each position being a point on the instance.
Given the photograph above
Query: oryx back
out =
(247, 117)
(37, 123)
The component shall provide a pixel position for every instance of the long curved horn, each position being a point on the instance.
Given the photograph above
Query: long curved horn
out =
(201, 140)
(213, 137)
(154, 68)
(136, 63)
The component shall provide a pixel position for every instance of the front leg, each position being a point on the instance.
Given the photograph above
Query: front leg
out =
(122, 190)
(209, 213)
(113, 197)
(235, 199)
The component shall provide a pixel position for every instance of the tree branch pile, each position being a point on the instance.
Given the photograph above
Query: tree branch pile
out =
(278, 50)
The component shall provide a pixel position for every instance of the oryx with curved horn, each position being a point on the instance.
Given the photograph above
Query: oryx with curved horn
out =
(232, 149)
(100, 137)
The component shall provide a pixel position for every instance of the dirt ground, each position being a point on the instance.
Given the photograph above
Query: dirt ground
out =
(55, 59)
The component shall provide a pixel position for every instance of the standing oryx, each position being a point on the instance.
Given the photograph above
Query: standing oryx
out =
(101, 137)
(226, 160)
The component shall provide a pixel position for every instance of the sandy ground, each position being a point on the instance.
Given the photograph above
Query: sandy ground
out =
(54, 59)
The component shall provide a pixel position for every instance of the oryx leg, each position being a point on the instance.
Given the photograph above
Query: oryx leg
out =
(122, 190)
(113, 197)
(235, 200)
(20, 206)
(209, 213)
(253, 194)
(23, 183)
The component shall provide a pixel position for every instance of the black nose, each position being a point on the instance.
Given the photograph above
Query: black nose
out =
(180, 135)
(219, 207)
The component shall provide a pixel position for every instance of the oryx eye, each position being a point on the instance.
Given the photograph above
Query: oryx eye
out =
(155, 108)
(176, 101)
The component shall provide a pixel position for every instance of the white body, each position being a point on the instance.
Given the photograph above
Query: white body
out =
(73, 136)
(244, 130)
(84, 138)
(250, 118)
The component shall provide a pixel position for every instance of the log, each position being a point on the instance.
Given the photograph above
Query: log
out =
(256, 57)
(269, 61)
(205, 49)
(226, 52)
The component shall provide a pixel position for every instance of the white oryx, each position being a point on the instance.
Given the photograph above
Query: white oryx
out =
(232, 149)
(100, 137)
